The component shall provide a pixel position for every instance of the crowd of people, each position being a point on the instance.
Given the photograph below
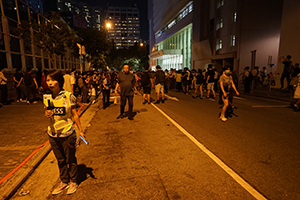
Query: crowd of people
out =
(199, 83)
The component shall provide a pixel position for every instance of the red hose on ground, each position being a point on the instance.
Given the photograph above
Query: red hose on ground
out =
(13, 171)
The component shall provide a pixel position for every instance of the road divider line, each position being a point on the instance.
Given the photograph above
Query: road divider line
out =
(219, 162)
(270, 106)
(239, 98)
(172, 98)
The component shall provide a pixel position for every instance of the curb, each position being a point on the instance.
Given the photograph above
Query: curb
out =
(9, 187)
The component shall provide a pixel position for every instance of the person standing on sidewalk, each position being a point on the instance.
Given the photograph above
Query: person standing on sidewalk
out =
(159, 80)
(126, 82)
(210, 81)
(31, 86)
(3, 87)
(287, 70)
(69, 81)
(18, 83)
(106, 84)
(60, 108)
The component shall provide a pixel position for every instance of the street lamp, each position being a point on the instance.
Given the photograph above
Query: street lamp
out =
(108, 25)
(141, 44)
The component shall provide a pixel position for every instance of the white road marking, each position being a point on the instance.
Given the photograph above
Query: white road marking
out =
(239, 98)
(221, 164)
(270, 106)
(172, 98)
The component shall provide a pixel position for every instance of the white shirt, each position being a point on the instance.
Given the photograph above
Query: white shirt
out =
(69, 81)
(2, 79)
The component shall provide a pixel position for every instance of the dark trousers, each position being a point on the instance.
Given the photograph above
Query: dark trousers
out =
(64, 151)
(106, 96)
(130, 103)
(31, 92)
(3, 89)
(283, 76)
(19, 92)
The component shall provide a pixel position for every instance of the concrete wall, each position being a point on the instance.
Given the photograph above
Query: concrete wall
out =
(259, 30)
(290, 32)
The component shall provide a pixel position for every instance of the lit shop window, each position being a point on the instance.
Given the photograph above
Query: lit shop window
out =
(219, 44)
(220, 24)
(234, 16)
(233, 40)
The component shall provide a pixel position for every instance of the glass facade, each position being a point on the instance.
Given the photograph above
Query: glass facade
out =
(177, 50)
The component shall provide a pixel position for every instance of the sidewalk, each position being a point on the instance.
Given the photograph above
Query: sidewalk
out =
(274, 93)
(147, 158)
(23, 131)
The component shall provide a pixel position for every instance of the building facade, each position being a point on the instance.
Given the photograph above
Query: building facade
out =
(196, 33)
(75, 12)
(123, 26)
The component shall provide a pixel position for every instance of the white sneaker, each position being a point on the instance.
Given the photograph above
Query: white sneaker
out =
(18, 101)
(72, 188)
(223, 119)
(62, 186)
(35, 102)
(28, 102)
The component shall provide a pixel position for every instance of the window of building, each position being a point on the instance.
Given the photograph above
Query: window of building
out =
(220, 24)
(233, 40)
(234, 16)
(212, 25)
(219, 44)
(220, 3)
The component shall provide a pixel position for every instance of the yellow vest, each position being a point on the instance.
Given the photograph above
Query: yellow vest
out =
(61, 121)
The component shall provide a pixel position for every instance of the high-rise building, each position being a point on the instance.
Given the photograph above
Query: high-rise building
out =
(194, 34)
(76, 12)
(123, 25)
(36, 5)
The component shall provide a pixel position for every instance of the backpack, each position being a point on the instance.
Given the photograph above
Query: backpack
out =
(28, 79)
(160, 77)
(145, 79)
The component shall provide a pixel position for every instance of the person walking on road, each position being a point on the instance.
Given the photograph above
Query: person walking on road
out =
(199, 84)
(159, 80)
(210, 81)
(178, 81)
(3, 87)
(146, 83)
(126, 82)
(227, 86)
(60, 108)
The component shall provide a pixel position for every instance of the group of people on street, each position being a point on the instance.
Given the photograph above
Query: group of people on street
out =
(61, 91)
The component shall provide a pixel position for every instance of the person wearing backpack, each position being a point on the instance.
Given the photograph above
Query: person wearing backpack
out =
(146, 83)
(30, 86)
(159, 79)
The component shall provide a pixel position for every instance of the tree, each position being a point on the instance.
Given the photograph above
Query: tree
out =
(97, 46)
(51, 34)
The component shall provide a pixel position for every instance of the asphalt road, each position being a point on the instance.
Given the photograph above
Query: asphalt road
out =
(261, 143)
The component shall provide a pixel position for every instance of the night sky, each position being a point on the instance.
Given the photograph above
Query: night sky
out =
(141, 4)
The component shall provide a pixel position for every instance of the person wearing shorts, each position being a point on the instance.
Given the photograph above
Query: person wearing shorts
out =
(146, 83)
(199, 84)
(159, 79)
(210, 82)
